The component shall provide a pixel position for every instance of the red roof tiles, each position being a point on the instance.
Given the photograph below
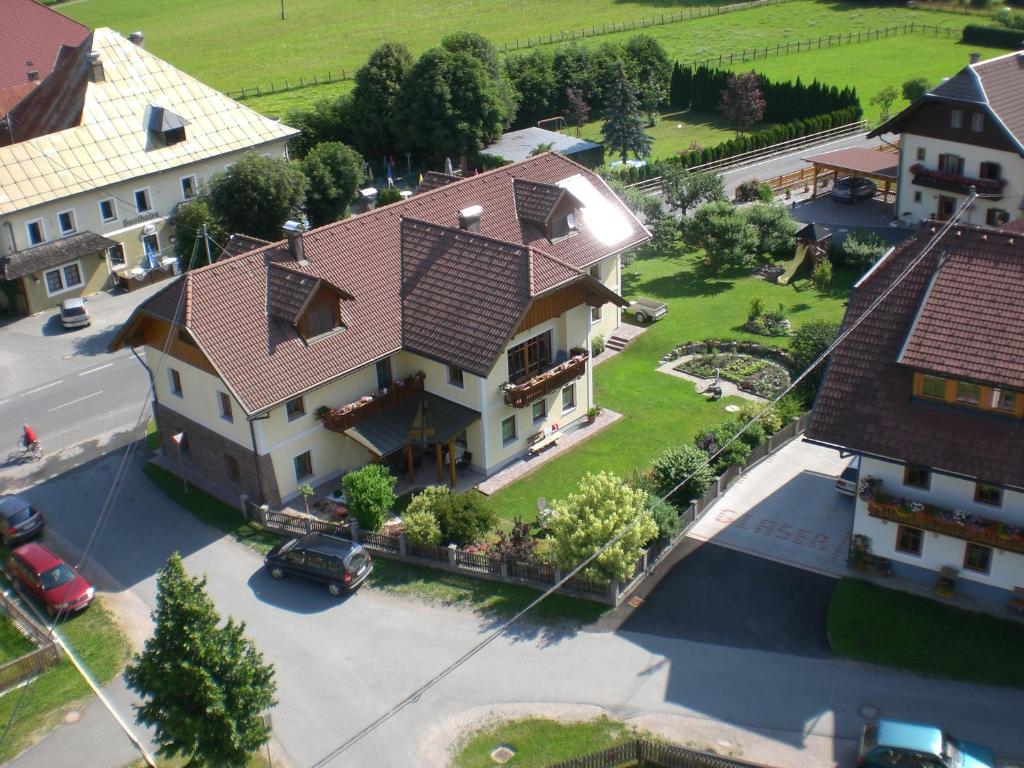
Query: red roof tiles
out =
(865, 403)
(30, 37)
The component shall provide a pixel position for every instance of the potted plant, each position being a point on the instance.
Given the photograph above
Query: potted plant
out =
(321, 412)
(592, 413)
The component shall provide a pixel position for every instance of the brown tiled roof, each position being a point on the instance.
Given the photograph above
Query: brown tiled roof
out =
(997, 84)
(264, 361)
(288, 292)
(238, 244)
(55, 252)
(970, 324)
(435, 179)
(30, 37)
(534, 201)
(865, 401)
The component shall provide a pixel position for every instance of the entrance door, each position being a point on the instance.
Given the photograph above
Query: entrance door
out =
(384, 373)
(947, 205)
(151, 247)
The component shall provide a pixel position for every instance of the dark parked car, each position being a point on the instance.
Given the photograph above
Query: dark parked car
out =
(339, 563)
(19, 520)
(853, 188)
(891, 744)
(55, 583)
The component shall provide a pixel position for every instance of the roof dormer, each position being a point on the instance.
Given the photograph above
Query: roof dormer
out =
(550, 208)
(312, 306)
(164, 127)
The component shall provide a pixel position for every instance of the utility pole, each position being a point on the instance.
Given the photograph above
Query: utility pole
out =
(206, 238)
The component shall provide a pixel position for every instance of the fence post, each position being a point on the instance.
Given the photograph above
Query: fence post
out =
(264, 512)
(503, 568)
(453, 552)
(401, 544)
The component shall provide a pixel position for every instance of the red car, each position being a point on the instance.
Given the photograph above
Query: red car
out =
(55, 583)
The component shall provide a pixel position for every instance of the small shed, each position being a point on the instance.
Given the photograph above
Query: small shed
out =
(520, 145)
(815, 238)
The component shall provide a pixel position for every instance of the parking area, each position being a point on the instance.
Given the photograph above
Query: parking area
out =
(786, 509)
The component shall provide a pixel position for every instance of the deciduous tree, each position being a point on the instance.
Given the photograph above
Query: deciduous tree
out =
(774, 228)
(602, 507)
(684, 189)
(578, 110)
(334, 172)
(884, 99)
(327, 120)
(376, 85)
(533, 78)
(204, 686)
(623, 129)
(725, 235)
(742, 102)
(257, 195)
(676, 464)
(188, 220)
(915, 88)
(371, 494)
(808, 342)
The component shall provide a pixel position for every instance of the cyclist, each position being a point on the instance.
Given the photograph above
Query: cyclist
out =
(29, 437)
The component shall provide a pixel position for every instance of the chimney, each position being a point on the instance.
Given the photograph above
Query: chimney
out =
(975, 57)
(96, 68)
(293, 233)
(138, 38)
(469, 218)
(33, 75)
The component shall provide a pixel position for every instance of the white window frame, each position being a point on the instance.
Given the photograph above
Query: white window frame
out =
(597, 314)
(195, 187)
(977, 121)
(227, 411)
(571, 387)
(113, 208)
(544, 412)
(42, 231)
(956, 118)
(515, 430)
(459, 383)
(149, 200)
(74, 225)
(61, 270)
(312, 473)
(178, 390)
(295, 416)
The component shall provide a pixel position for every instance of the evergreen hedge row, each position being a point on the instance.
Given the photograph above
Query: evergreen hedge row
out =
(994, 37)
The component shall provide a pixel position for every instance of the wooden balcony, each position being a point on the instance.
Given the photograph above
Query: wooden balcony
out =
(521, 395)
(949, 182)
(959, 525)
(340, 419)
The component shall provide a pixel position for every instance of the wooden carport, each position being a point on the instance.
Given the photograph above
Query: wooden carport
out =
(878, 165)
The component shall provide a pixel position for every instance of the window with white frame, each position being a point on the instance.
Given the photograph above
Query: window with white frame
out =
(108, 209)
(66, 222)
(540, 410)
(142, 201)
(977, 122)
(568, 397)
(63, 278)
(303, 466)
(295, 408)
(116, 254)
(508, 430)
(175, 379)
(224, 403)
(36, 235)
(189, 187)
(595, 314)
(956, 118)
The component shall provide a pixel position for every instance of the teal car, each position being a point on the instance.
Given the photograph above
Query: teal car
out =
(893, 744)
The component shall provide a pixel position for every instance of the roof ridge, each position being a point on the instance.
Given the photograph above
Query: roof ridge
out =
(459, 230)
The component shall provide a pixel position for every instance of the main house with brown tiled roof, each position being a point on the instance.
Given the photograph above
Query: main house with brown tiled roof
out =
(452, 327)
(94, 160)
(966, 132)
(929, 391)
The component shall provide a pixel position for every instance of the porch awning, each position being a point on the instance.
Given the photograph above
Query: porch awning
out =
(52, 254)
(416, 421)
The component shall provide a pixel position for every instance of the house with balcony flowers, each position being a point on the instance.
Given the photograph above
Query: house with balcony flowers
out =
(449, 332)
(929, 391)
(967, 132)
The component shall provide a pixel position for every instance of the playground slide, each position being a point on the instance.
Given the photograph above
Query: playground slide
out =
(794, 265)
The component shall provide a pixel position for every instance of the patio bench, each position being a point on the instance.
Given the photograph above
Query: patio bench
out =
(539, 441)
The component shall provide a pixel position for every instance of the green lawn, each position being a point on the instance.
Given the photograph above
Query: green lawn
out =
(660, 410)
(540, 742)
(896, 629)
(674, 133)
(101, 647)
(13, 643)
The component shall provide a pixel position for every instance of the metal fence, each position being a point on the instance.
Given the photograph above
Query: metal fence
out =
(651, 753)
(530, 573)
(44, 657)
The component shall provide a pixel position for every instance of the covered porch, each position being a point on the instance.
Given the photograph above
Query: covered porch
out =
(878, 165)
(419, 439)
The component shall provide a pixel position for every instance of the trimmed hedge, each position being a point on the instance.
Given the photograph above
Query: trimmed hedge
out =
(993, 37)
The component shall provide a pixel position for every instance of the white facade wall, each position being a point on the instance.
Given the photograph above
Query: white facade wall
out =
(164, 192)
(938, 550)
(927, 206)
(609, 272)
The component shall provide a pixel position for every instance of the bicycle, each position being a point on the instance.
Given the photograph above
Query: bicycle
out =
(33, 449)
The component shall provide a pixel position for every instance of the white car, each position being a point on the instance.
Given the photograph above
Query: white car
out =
(74, 314)
(847, 481)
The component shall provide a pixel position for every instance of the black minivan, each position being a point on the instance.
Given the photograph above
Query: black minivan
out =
(19, 520)
(339, 563)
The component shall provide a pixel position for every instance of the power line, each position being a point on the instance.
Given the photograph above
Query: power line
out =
(474, 650)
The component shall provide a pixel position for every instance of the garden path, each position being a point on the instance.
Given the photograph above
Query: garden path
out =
(728, 388)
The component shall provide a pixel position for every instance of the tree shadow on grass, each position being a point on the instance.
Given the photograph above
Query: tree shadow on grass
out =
(681, 285)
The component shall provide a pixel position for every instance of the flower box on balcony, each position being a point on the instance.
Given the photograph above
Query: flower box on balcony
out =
(521, 395)
(348, 415)
(953, 182)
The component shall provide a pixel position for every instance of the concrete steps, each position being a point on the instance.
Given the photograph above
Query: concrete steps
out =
(617, 343)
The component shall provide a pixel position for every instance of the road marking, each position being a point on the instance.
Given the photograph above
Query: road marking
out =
(93, 370)
(5, 401)
(65, 405)
(45, 386)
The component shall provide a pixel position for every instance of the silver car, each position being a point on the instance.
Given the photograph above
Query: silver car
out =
(19, 520)
(848, 480)
(74, 313)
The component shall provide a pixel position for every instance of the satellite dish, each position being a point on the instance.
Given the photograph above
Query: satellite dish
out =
(542, 504)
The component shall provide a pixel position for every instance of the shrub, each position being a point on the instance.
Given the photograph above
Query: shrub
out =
(663, 235)
(715, 439)
(597, 345)
(775, 229)
(822, 275)
(666, 517)
(371, 492)
(674, 464)
(421, 527)
(861, 249)
(809, 341)
(993, 37)
(464, 517)
(517, 544)
(756, 308)
(750, 190)
(388, 195)
(771, 418)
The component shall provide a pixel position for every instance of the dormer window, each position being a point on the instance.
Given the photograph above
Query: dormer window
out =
(956, 118)
(319, 320)
(977, 122)
(165, 127)
(310, 305)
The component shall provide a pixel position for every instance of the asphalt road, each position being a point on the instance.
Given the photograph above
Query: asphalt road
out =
(342, 663)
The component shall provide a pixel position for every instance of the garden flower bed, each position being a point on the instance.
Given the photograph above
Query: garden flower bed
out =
(756, 375)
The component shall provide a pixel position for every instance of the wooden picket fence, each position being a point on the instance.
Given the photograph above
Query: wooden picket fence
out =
(641, 752)
(46, 655)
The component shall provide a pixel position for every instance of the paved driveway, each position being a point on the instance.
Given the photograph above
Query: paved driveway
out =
(786, 509)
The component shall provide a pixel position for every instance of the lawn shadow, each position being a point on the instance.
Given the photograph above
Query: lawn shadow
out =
(683, 285)
(801, 307)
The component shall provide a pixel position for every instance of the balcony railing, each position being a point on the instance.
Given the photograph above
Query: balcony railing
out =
(956, 523)
(954, 182)
(521, 395)
(340, 419)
